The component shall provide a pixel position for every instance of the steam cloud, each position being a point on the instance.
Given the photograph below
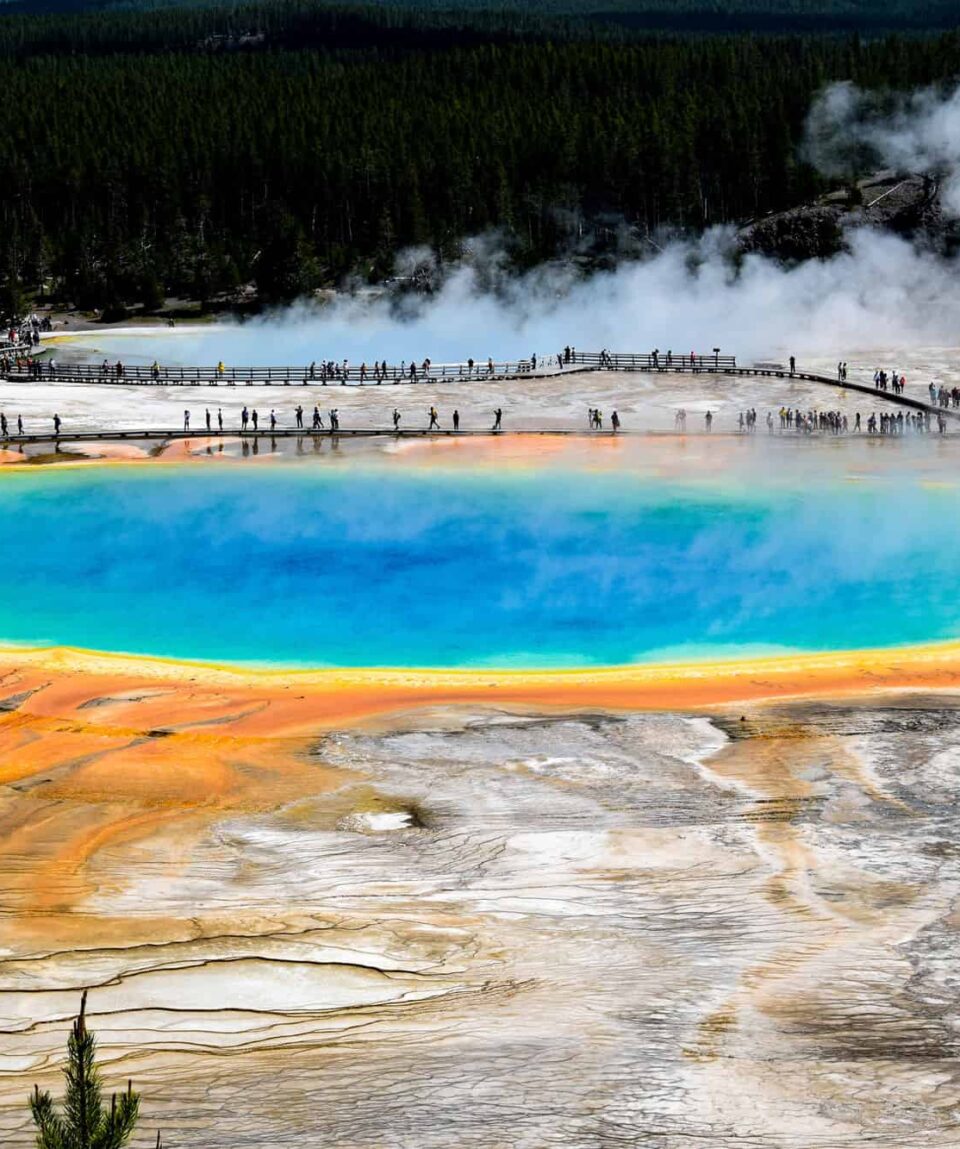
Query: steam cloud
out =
(850, 131)
(881, 292)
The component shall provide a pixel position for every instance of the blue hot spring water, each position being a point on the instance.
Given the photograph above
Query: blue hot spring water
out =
(379, 565)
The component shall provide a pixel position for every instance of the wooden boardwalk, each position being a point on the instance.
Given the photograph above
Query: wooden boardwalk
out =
(461, 373)
(23, 370)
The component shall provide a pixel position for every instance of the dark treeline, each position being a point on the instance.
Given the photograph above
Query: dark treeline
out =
(313, 142)
(278, 24)
(684, 16)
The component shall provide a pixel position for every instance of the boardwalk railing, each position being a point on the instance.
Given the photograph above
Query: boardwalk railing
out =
(656, 361)
(20, 368)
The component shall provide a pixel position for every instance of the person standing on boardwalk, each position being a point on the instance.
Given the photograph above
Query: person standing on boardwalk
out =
(273, 419)
(497, 416)
(186, 420)
(299, 417)
(208, 420)
(244, 416)
(254, 418)
(615, 422)
(220, 420)
(793, 364)
(708, 420)
(56, 426)
(396, 419)
(19, 424)
(3, 425)
(456, 420)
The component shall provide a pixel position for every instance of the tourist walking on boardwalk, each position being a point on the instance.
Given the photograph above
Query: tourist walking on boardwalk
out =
(299, 417)
(273, 419)
(244, 417)
(186, 420)
(19, 424)
(317, 420)
(497, 416)
(56, 426)
(615, 422)
(334, 419)
(456, 420)
(434, 422)
(220, 420)
(396, 419)
(3, 425)
(254, 418)
(209, 428)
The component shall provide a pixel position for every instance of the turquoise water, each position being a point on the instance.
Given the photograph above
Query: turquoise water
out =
(369, 565)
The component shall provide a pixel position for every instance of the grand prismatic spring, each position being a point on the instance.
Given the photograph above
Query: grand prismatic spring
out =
(513, 792)
(457, 564)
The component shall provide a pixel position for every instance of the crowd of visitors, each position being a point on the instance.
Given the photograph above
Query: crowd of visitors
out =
(787, 420)
(838, 422)
(892, 382)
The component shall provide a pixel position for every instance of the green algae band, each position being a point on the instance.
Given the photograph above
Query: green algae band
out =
(382, 565)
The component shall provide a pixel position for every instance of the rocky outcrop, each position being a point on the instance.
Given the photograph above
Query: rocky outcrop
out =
(906, 205)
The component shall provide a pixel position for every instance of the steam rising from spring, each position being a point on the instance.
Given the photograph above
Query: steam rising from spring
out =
(880, 292)
(850, 131)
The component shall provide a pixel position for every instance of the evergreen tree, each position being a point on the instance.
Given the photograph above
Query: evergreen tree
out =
(13, 302)
(84, 1123)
